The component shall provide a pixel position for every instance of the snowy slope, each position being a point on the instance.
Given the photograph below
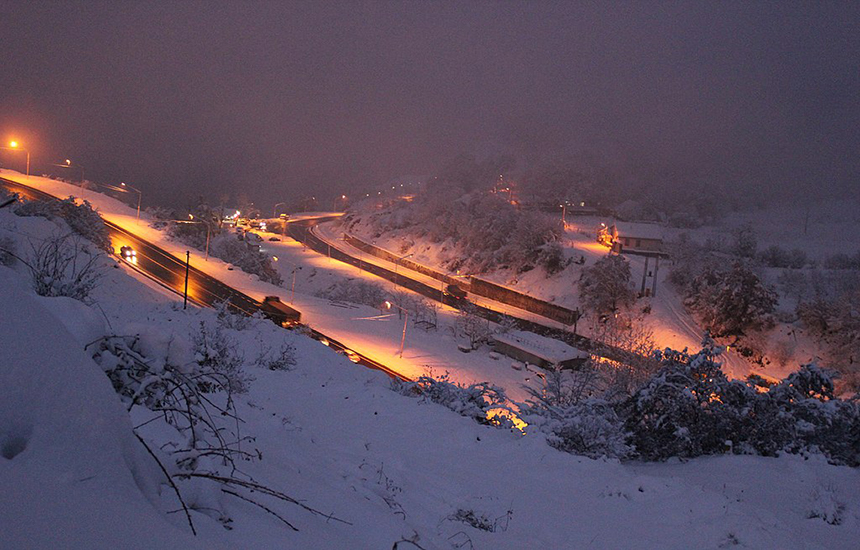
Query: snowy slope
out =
(336, 437)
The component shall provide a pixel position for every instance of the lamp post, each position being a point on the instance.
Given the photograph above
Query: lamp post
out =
(14, 146)
(207, 232)
(389, 305)
(396, 263)
(126, 188)
(68, 164)
(334, 203)
(187, 267)
(275, 209)
(139, 195)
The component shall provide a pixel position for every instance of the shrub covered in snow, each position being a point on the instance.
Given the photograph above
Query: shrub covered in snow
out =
(691, 409)
(472, 400)
(81, 218)
(246, 256)
(63, 265)
(214, 351)
(589, 428)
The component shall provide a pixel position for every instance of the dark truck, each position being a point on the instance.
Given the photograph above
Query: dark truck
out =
(455, 292)
(280, 313)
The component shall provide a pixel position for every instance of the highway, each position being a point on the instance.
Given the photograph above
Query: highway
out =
(169, 272)
(301, 231)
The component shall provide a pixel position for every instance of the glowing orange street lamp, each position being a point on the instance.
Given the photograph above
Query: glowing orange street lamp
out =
(389, 305)
(139, 194)
(15, 146)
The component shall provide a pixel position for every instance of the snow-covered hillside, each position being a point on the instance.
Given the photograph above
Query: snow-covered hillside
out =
(335, 437)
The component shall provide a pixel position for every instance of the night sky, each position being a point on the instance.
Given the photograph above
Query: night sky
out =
(278, 99)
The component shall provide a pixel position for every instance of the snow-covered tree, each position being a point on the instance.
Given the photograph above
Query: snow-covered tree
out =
(605, 287)
(733, 302)
(744, 242)
(689, 408)
(246, 256)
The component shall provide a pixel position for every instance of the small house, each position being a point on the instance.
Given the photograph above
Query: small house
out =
(538, 350)
(633, 237)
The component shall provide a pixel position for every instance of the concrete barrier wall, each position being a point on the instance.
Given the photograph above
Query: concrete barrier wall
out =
(475, 285)
(523, 301)
(407, 263)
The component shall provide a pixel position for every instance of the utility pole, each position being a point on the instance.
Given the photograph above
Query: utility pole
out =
(644, 273)
(656, 269)
(187, 262)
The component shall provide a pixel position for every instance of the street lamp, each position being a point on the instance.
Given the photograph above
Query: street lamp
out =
(275, 209)
(296, 267)
(68, 164)
(334, 203)
(124, 188)
(14, 146)
(388, 305)
(139, 195)
(396, 262)
(207, 231)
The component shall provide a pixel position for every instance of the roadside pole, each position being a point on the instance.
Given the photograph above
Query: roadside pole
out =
(187, 262)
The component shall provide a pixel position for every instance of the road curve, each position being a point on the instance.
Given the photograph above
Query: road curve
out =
(169, 271)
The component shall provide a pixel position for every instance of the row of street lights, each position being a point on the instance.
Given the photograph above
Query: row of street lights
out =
(123, 188)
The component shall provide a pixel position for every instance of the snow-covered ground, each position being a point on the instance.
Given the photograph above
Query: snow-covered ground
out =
(818, 229)
(672, 325)
(374, 333)
(335, 436)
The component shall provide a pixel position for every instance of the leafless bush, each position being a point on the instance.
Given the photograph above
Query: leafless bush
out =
(215, 351)
(64, 266)
(422, 312)
(472, 326)
(7, 251)
(283, 359)
(207, 446)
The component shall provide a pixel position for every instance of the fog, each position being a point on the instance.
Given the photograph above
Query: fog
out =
(276, 100)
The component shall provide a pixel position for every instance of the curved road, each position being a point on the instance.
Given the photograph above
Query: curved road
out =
(301, 230)
(169, 271)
